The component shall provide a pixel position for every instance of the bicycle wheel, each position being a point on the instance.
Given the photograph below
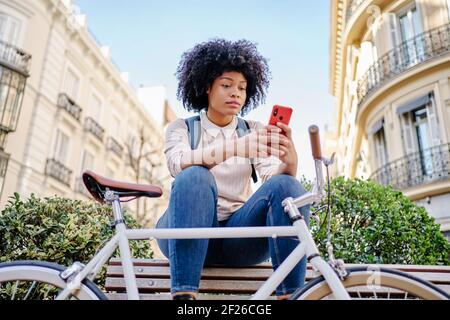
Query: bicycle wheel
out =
(40, 280)
(374, 283)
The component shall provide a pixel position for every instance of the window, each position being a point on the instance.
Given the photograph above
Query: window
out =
(420, 132)
(411, 27)
(95, 107)
(88, 161)
(61, 147)
(379, 141)
(422, 128)
(115, 127)
(71, 84)
(9, 29)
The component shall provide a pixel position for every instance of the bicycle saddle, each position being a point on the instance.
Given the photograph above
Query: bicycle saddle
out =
(97, 185)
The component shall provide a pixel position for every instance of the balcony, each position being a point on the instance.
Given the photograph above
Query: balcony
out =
(67, 104)
(57, 170)
(14, 58)
(90, 125)
(114, 146)
(416, 169)
(409, 54)
(352, 7)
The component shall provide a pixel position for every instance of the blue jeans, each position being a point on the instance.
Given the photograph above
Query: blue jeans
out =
(193, 204)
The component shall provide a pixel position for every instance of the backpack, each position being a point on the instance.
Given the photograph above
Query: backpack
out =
(194, 132)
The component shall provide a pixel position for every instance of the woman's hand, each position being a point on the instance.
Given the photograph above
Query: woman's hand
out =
(285, 145)
(258, 144)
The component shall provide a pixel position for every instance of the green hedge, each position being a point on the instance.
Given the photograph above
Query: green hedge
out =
(59, 230)
(377, 224)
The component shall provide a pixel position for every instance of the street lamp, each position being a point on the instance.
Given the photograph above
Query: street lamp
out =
(14, 65)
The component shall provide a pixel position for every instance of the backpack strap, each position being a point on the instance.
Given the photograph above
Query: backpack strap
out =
(243, 128)
(194, 131)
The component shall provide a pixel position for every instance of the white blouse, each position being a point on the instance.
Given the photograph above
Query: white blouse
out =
(233, 176)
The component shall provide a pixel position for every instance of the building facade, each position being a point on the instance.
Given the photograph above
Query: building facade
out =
(78, 111)
(390, 75)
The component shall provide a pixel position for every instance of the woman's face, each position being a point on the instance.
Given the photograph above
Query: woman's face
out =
(227, 93)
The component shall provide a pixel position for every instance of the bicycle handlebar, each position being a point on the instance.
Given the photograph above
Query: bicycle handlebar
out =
(315, 142)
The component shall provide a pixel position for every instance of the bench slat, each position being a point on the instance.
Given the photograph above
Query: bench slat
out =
(268, 265)
(155, 285)
(248, 274)
(207, 273)
(168, 296)
(162, 262)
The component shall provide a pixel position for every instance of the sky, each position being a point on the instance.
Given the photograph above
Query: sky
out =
(148, 37)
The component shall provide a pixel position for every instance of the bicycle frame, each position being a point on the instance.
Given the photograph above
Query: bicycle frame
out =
(299, 229)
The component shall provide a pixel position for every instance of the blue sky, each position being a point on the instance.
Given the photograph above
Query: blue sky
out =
(148, 37)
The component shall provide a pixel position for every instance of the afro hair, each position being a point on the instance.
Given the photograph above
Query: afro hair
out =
(205, 62)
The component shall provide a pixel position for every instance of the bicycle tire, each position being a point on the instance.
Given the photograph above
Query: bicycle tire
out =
(44, 273)
(387, 279)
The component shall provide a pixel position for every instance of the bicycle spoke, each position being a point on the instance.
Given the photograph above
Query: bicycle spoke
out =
(14, 290)
(30, 290)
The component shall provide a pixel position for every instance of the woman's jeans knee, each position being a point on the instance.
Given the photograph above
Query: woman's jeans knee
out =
(193, 202)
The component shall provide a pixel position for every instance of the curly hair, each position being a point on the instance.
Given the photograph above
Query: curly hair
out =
(202, 64)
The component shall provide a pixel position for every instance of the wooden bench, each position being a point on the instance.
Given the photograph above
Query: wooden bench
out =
(153, 279)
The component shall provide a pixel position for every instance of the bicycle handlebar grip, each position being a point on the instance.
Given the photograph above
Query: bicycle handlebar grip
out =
(315, 142)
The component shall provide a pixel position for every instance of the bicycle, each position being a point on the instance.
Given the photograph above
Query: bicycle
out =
(335, 280)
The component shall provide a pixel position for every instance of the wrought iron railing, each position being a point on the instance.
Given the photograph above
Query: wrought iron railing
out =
(113, 145)
(352, 7)
(14, 58)
(59, 171)
(415, 169)
(93, 127)
(410, 53)
(66, 103)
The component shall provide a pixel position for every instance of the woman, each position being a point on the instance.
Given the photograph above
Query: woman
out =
(220, 79)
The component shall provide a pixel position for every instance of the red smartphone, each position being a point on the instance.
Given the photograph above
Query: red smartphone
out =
(280, 114)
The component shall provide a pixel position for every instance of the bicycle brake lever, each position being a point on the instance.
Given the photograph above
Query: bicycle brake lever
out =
(329, 161)
(316, 218)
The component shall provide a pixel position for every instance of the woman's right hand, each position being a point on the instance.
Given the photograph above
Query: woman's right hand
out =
(260, 143)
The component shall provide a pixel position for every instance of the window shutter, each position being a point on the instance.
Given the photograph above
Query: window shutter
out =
(63, 148)
(433, 123)
(88, 161)
(386, 37)
(365, 58)
(14, 29)
(380, 148)
(409, 142)
(3, 27)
